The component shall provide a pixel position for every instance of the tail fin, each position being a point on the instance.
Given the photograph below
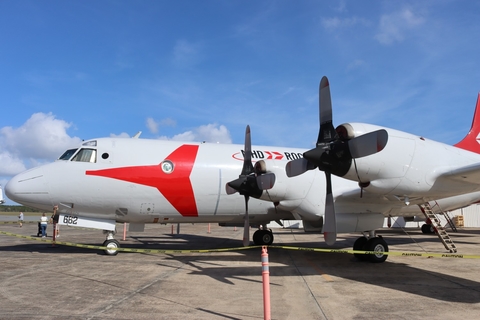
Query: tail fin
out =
(471, 142)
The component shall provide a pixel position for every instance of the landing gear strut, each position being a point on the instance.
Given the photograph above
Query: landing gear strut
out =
(110, 243)
(375, 244)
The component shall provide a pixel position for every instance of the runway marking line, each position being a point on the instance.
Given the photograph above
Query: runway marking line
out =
(324, 275)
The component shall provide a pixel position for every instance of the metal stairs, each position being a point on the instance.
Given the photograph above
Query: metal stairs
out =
(442, 234)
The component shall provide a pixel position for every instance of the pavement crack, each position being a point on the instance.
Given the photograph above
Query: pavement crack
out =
(135, 292)
(307, 286)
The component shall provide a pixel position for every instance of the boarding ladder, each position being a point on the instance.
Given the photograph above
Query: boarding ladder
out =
(439, 211)
(442, 234)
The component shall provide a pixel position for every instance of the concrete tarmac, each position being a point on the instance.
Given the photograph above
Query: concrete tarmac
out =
(39, 281)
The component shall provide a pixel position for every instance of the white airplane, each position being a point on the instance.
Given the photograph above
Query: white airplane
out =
(369, 173)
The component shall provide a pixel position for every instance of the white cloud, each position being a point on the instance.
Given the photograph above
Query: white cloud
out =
(121, 135)
(42, 136)
(209, 133)
(338, 23)
(10, 165)
(393, 27)
(167, 122)
(154, 126)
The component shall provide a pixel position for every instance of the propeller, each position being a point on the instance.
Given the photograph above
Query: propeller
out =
(333, 155)
(251, 182)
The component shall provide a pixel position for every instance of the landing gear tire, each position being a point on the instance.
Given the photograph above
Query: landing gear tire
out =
(427, 229)
(379, 246)
(360, 245)
(113, 244)
(263, 237)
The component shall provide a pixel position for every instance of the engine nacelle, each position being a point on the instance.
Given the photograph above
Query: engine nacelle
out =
(285, 188)
(408, 164)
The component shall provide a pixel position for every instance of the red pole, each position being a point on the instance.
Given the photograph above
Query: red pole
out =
(266, 284)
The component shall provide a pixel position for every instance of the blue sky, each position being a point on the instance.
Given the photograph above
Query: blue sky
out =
(203, 70)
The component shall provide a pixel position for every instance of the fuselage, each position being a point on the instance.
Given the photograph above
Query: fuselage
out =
(159, 181)
(140, 180)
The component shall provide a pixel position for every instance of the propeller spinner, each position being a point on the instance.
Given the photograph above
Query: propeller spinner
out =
(333, 155)
(251, 183)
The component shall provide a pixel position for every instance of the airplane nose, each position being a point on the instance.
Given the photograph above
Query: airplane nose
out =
(28, 188)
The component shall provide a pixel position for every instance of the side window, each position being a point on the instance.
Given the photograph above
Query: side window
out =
(86, 155)
(67, 154)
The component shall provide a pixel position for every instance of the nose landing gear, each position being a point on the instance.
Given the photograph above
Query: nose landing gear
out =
(111, 244)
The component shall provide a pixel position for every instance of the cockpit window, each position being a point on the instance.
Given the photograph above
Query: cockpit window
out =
(86, 155)
(67, 154)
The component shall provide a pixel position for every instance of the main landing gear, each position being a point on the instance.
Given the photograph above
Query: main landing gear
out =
(263, 237)
(110, 243)
(427, 228)
(373, 243)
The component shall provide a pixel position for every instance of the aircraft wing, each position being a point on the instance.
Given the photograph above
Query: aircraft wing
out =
(355, 201)
(458, 181)
(467, 174)
(455, 188)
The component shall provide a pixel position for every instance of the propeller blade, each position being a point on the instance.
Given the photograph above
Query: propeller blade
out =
(368, 143)
(266, 181)
(327, 131)
(298, 166)
(330, 224)
(246, 226)
(325, 101)
(237, 183)
(247, 157)
(314, 155)
(229, 189)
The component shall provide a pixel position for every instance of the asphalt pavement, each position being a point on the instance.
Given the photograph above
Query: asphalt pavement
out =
(42, 281)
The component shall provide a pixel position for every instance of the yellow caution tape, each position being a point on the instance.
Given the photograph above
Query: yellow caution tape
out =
(78, 245)
(392, 253)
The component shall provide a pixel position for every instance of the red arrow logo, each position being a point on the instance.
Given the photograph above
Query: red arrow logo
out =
(176, 187)
(274, 155)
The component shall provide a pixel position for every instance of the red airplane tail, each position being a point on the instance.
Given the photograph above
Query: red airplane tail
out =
(470, 141)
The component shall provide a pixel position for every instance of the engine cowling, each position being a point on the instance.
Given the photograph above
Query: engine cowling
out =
(385, 168)
(408, 164)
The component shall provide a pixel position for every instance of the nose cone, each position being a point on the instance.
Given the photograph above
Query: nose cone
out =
(29, 188)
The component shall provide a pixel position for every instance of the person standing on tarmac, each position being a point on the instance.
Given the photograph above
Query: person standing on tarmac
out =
(43, 224)
(20, 219)
(54, 221)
